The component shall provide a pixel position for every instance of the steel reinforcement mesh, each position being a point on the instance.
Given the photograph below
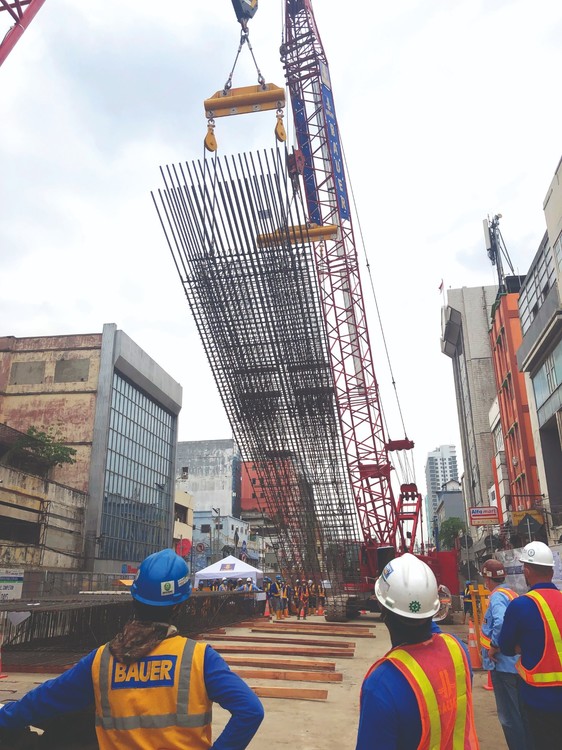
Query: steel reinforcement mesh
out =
(252, 288)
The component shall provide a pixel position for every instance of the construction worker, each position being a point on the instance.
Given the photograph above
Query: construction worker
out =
(503, 672)
(151, 687)
(224, 585)
(313, 598)
(419, 695)
(321, 598)
(284, 600)
(275, 596)
(467, 602)
(302, 603)
(531, 626)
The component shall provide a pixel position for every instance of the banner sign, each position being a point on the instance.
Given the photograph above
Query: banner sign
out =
(11, 584)
(484, 515)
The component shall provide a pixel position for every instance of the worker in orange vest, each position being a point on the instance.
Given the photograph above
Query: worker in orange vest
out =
(531, 627)
(502, 669)
(419, 695)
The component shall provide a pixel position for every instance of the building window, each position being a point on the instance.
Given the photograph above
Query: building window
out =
(138, 493)
(180, 513)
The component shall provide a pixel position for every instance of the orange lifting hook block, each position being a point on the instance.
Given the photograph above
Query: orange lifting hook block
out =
(241, 101)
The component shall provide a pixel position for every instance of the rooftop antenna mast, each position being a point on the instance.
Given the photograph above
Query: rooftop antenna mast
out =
(495, 247)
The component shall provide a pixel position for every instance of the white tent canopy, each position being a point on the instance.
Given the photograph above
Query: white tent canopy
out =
(229, 567)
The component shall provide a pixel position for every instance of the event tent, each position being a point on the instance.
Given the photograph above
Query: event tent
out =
(229, 567)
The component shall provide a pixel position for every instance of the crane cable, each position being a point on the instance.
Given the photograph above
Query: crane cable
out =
(406, 469)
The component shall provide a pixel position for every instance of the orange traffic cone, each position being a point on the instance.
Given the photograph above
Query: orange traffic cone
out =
(475, 659)
(266, 612)
(320, 610)
(489, 685)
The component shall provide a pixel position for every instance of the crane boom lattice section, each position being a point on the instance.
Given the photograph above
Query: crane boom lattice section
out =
(357, 393)
(252, 287)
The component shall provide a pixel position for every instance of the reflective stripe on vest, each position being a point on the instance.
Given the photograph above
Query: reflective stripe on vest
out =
(181, 718)
(548, 671)
(485, 642)
(430, 674)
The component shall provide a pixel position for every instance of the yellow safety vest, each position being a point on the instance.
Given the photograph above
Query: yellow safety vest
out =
(157, 703)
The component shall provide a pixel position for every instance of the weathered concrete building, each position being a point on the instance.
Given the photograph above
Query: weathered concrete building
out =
(540, 353)
(465, 338)
(107, 399)
(210, 470)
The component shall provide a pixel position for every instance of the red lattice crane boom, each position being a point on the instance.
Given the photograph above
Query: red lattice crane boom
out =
(382, 519)
(22, 13)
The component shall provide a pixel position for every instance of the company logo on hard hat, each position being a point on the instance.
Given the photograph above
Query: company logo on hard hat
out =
(167, 588)
(387, 571)
(531, 552)
(415, 607)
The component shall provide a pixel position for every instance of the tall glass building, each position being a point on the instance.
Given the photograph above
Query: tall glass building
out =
(132, 469)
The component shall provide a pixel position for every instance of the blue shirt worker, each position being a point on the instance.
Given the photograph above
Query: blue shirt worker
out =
(531, 627)
(151, 687)
(502, 668)
(419, 695)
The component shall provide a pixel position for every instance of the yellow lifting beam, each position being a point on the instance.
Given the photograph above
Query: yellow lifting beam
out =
(241, 101)
(244, 100)
(298, 234)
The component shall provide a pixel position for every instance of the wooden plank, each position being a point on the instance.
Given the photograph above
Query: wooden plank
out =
(274, 674)
(227, 648)
(306, 664)
(313, 622)
(302, 694)
(262, 639)
(300, 631)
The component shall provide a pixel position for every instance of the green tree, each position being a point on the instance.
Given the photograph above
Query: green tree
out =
(449, 531)
(48, 446)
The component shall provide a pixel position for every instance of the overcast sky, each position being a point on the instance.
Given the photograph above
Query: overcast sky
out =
(449, 110)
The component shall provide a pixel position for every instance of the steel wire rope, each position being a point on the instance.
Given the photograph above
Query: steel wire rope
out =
(379, 317)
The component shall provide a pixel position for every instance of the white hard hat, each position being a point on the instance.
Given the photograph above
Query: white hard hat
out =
(408, 587)
(248, 580)
(537, 553)
(310, 581)
(224, 580)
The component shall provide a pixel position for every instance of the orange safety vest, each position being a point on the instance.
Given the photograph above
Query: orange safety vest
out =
(485, 642)
(158, 702)
(438, 673)
(548, 671)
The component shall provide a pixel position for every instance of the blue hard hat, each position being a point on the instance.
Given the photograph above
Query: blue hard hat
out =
(278, 578)
(162, 580)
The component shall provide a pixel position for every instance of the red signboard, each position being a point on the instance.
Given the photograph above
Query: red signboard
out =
(484, 515)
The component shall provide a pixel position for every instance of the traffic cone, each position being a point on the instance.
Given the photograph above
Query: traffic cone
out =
(475, 660)
(489, 685)
(320, 610)
(266, 612)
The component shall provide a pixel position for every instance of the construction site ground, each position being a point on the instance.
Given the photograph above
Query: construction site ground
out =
(319, 707)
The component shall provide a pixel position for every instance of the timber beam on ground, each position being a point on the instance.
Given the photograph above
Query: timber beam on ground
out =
(293, 641)
(290, 693)
(311, 631)
(274, 674)
(291, 664)
(227, 648)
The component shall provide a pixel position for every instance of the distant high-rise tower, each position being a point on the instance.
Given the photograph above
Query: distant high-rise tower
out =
(441, 466)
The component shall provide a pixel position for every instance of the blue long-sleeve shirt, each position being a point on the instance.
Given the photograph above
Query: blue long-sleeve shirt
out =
(523, 627)
(389, 716)
(73, 691)
(491, 628)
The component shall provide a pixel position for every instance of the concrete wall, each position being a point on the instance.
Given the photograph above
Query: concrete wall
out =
(51, 382)
(213, 473)
(56, 511)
